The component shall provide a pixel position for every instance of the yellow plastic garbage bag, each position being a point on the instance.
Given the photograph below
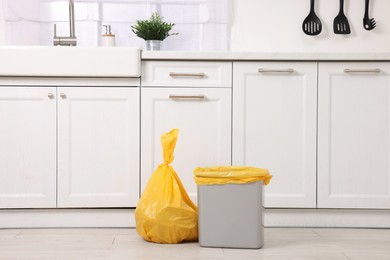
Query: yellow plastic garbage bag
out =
(165, 213)
(230, 174)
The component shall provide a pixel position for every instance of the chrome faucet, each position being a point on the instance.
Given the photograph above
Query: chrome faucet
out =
(67, 40)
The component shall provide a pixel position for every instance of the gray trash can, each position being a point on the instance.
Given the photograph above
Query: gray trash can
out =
(231, 214)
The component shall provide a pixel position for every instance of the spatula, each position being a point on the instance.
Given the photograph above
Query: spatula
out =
(340, 23)
(312, 24)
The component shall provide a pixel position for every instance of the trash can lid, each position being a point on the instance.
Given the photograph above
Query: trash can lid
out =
(230, 174)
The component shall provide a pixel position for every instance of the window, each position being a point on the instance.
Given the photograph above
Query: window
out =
(202, 24)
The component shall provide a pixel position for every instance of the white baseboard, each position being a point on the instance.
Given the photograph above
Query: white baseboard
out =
(64, 218)
(345, 218)
(115, 218)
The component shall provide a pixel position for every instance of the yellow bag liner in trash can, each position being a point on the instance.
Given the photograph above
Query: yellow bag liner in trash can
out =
(230, 175)
(230, 206)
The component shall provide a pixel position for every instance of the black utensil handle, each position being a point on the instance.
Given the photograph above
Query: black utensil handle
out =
(341, 5)
(311, 5)
(366, 8)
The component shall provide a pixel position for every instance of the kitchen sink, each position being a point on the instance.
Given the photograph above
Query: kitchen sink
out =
(63, 61)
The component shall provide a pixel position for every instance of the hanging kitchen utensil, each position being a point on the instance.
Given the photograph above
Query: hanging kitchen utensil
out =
(312, 24)
(340, 23)
(368, 23)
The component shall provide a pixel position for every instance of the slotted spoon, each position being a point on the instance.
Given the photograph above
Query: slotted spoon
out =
(340, 23)
(312, 24)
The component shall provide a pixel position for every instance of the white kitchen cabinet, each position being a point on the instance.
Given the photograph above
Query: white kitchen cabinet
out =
(274, 127)
(203, 116)
(69, 147)
(98, 147)
(27, 147)
(354, 135)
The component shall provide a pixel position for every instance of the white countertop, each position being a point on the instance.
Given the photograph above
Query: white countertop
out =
(125, 62)
(266, 56)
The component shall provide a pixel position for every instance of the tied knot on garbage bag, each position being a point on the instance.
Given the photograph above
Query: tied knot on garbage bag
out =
(165, 213)
(168, 142)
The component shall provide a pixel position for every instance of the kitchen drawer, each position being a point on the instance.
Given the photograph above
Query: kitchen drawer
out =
(186, 74)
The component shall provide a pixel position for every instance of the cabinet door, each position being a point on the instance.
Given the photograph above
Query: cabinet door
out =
(274, 127)
(27, 147)
(98, 147)
(354, 135)
(204, 130)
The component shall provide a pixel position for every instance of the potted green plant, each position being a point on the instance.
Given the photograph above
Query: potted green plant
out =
(153, 31)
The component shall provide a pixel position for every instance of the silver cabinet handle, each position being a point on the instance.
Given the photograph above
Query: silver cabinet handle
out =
(175, 74)
(362, 70)
(187, 96)
(262, 70)
(50, 95)
(62, 95)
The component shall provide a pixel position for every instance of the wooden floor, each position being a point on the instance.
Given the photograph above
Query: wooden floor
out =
(280, 243)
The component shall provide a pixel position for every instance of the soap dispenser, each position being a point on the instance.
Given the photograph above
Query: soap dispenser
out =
(108, 39)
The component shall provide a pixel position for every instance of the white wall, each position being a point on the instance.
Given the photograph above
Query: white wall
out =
(276, 26)
(1, 24)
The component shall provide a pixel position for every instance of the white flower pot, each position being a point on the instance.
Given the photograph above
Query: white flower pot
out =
(153, 45)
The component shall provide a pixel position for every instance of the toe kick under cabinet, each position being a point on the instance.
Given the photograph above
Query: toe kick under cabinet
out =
(69, 147)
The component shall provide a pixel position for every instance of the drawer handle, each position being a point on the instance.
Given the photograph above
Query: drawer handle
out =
(362, 70)
(186, 97)
(62, 95)
(199, 75)
(50, 95)
(262, 70)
